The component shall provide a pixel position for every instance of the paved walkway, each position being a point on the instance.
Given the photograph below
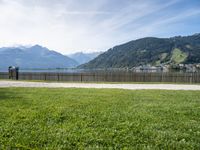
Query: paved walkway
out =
(99, 86)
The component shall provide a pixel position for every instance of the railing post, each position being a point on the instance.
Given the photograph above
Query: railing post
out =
(81, 77)
(58, 77)
(45, 78)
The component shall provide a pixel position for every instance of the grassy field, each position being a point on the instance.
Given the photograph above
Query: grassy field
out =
(178, 56)
(39, 118)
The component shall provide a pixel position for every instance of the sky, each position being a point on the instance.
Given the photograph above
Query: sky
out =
(70, 26)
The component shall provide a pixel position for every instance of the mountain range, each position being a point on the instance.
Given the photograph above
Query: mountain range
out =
(146, 51)
(150, 51)
(82, 58)
(35, 57)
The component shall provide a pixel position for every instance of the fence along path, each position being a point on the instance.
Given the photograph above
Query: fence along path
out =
(4, 75)
(109, 77)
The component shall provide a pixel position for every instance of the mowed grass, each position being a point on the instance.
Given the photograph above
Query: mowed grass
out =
(40, 118)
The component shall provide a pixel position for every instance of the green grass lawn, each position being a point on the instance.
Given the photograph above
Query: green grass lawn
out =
(39, 118)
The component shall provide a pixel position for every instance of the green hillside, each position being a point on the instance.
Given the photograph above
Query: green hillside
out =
(178, 56)
(153, 51)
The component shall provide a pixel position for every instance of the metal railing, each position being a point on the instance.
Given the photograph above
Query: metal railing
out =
(109, 77)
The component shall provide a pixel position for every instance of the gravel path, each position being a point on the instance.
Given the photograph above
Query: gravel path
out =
(93, 85)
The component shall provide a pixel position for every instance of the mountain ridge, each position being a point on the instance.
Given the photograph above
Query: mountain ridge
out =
(34, 57)
(82, 57)
(150, 50)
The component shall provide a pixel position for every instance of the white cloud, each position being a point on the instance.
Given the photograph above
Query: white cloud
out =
(75, 25)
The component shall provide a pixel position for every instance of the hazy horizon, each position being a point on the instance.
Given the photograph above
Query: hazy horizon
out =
(82, 51)
(71, 26)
